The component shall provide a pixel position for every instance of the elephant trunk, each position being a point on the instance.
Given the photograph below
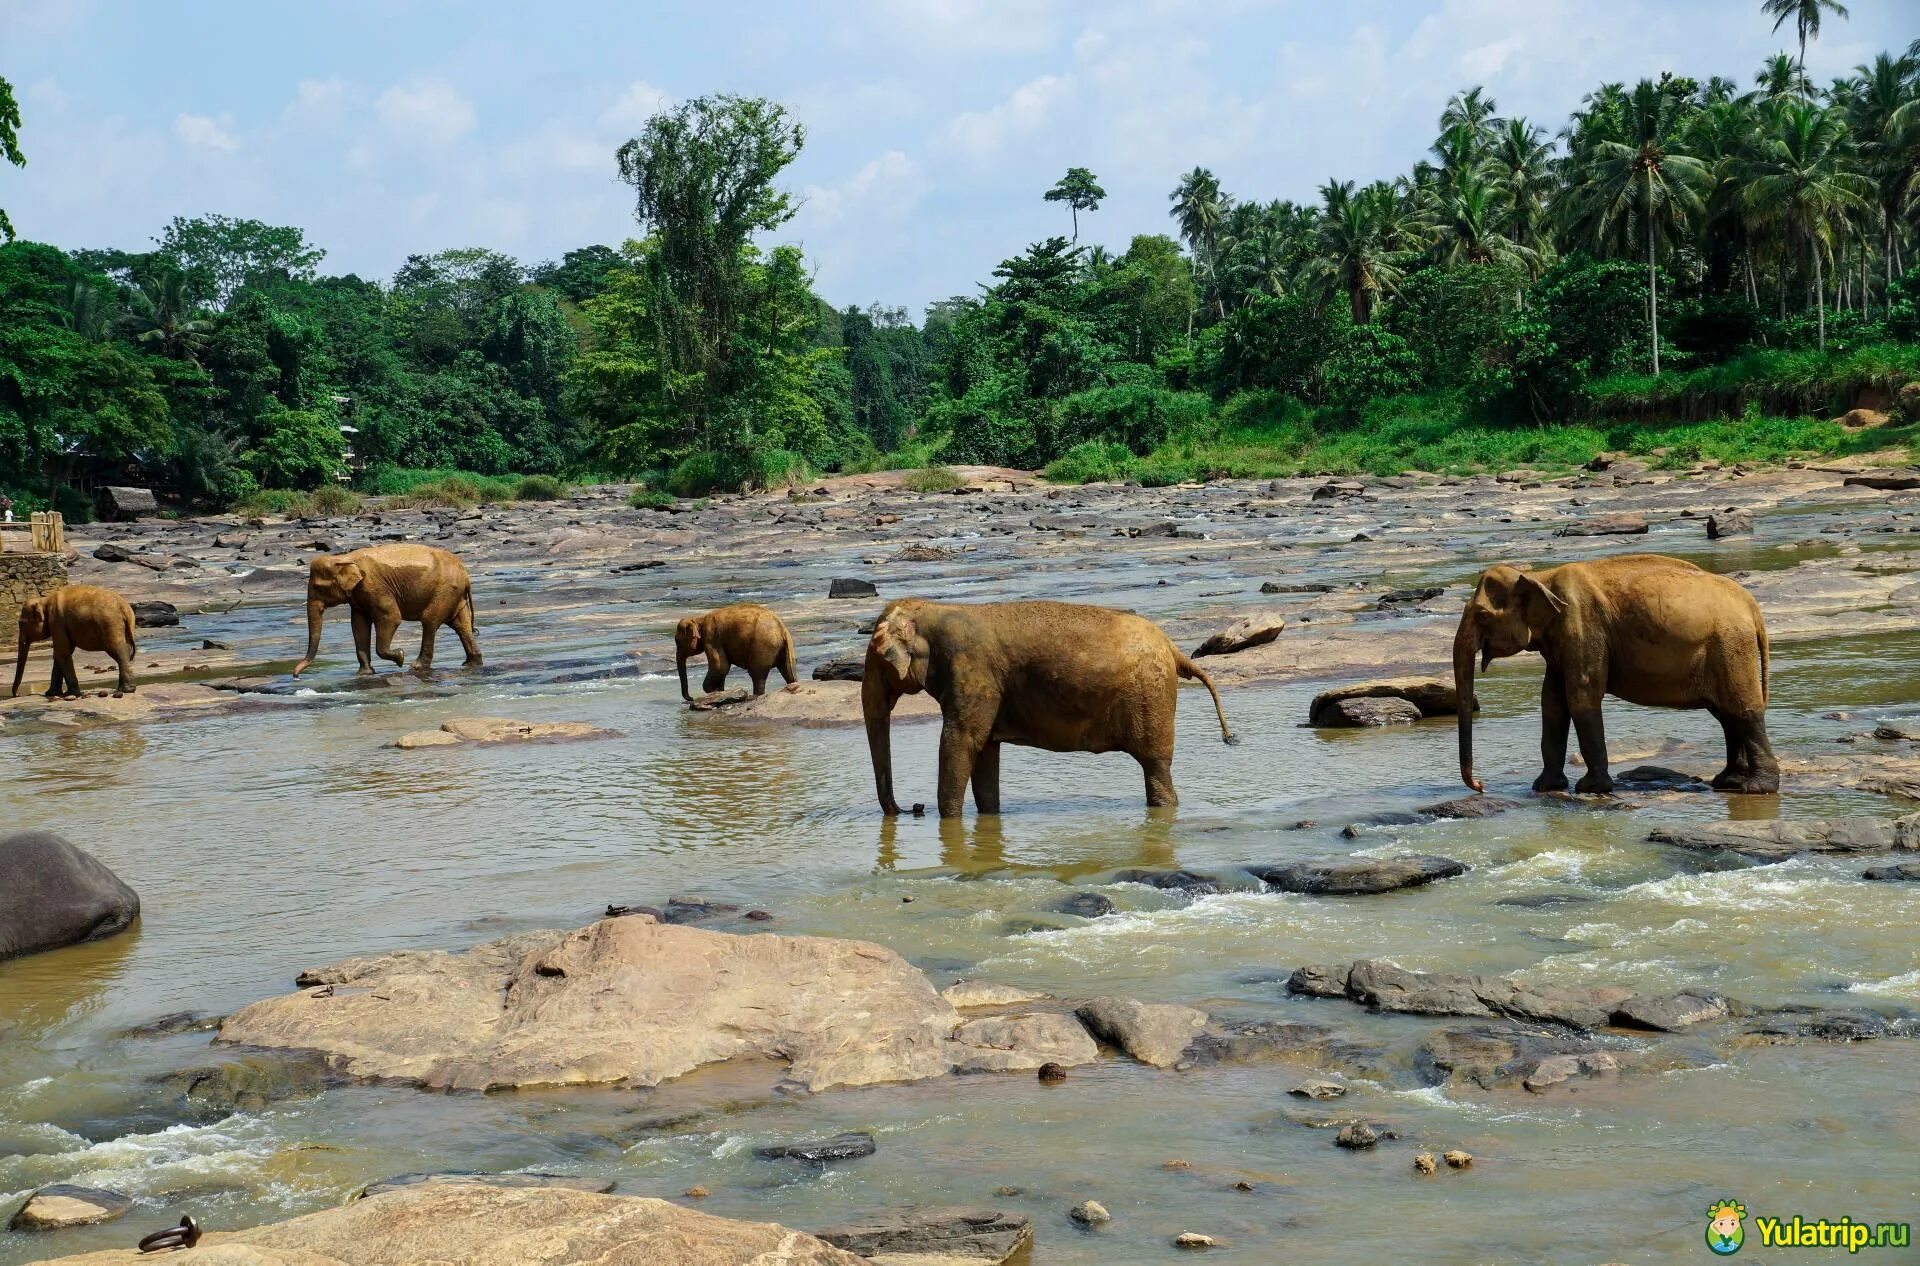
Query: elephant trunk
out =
(316, 611)
(680, 662)
(20, 662)
(876, 701)
(1466, 645)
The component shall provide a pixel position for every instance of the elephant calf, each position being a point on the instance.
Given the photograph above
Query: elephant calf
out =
(383, 585)
(82, 617)
(1053, 675)
(746, 634)
(1642, 627)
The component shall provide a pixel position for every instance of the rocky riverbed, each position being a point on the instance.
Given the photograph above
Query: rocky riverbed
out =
(1245, 1019)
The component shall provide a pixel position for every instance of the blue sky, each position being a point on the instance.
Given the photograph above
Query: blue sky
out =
(402, 126)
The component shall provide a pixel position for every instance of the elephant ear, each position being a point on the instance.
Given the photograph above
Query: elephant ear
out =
(1539, 605)
(350, 575)
(893, 640)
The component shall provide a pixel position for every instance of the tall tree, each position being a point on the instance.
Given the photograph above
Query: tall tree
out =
(1798, 177)
(160, 315)
(1080, 191)
(1806, 18)
(1200, 207)
(9, 145)
(220, 253)
(1352, 258)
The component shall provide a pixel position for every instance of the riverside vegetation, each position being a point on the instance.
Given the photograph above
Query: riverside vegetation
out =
(1687, 268)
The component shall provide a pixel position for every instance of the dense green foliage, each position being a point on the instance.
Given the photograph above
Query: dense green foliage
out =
(1680, 254)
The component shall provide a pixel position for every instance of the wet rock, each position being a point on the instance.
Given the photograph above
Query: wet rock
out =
(1433, 697)
(1410, 597)
(849, 1146)
(1778, 840)
(1086, 905)
(1356, 1136)
(1826, 1025)
(1366, 713)
(1357, 876)
(53, 894)
(987, 993)
(1884, 483)
(627, 999)
(174, 1022)
(1243, 634)
(1274, 586)
(1252, 1041)
(849, 668)
(486, 731)
(1545, 900)
(1725, 523)
(1153, 1033)
(1319, 1088)
(1457, 1159)
(1555, 1069)
(1192, 1240)
(1319, 980)
(1027, 927)
(1658, 778)
(689, 909)
(1899, 872)
(1492, 1056)
(479, 1225)
(1468, 807)
(1022, 1043)
(844, 587)
(465, 1177)
(155, 615)
(1385, 987)
(249, 1084)
(1089, 1213)
(1052, 1073)
(1186, 881)
(943, 1236)
(1672, 1013)
(1607, 525)
(64, 1204)
(1424, 1163)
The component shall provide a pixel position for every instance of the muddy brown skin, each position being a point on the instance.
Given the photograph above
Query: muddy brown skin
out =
(1652, 630)
(77, 617)
(746, 634)
(1054, 675)
(383, 585)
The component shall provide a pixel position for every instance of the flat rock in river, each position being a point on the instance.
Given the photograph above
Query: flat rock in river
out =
(1776, 840)
(1153, 1033)
(64, 1204)
(1243, 634)
(935, 1237)
(1366, 712)
(486, 731)
(1434, 698)
(479, 1225)
(849, 1146)
(599, 1186)
(1357, 875)
(1607, 525)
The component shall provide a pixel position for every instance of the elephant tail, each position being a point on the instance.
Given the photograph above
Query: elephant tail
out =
(1766, 664)
(789, 668)
(472, 611)
(1193, 672)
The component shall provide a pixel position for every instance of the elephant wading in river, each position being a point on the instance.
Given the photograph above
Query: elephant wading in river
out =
(77, 617)
(746, 634)
(1645, 628)
(1052, 675)
(383, 585)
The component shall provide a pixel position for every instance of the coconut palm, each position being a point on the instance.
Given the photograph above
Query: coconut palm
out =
(1806, 18)
(1884, 115)
(87, 310)
(1780, 77)
(160, 314)
(1350, 257)
(1468, 227)
(1640, 186)
(1798, 178)
(1522, 165)
(1199, 206)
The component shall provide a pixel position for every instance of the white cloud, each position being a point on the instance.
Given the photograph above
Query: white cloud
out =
(431, 110)
(205, 132)
(319, 101)
(888, 187)
(983, 134)
(631, 110)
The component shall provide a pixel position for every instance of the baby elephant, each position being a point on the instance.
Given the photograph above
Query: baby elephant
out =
(746, 634)
(1649, 629)
(383, 585)
(82, 617)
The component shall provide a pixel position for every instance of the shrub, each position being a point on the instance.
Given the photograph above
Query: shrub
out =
(539, 488)
(1140, 417)
(1369, 364)
(332, 499)
(712, 471)
(1093, 462)
(648, 499)
(932, 479)
(274, 503)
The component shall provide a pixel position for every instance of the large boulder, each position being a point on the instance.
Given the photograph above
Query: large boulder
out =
(1776, 840)
(1153, 1033)
(63, 1204)
(1724, 523)
(1433, 697)
(479, 1225)
(638, 1001)
(53, 894)
(1243, 634)
(1022, 1043)
(1354, 876)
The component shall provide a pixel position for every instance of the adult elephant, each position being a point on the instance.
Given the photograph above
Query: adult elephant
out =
(383, 585)
(1053, 675)
(746, 634)
(1645, 628)
(53, 894)
(77, 617)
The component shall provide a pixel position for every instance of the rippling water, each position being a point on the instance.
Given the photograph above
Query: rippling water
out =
(289, 836)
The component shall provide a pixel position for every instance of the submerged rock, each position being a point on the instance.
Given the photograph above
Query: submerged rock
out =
(249, 1083)
(1497, 1056)
(1659, 778)
(1358, 875)
(53, 894)
(1778, 840)
(1897, 873)
(64, 1204)
(1467, 807)
(480, 1225)
(937, 1237)
(1170, 881)
(849, 1146)
(1366, 712)
(493, 730)
(1827, 1025)
(1089, 1213)
(1086, 905)
(1153, 1033)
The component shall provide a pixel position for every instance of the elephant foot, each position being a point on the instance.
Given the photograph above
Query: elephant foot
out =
(473, 661)
(1756, 783)
(1594, 783)
(1550, 782)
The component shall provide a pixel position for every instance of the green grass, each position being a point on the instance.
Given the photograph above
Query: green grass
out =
(707, 472)
(651, 499)
(932, 479)
(326, 501)
(910, 456)
(1777, 381)
(540, 488)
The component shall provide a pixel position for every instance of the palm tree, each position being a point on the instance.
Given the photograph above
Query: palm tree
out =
(1468, 224)
(1779, 78)
(1523, 178)
(160, 312)
(1351, 258)
(1641, 185)
(87, 311)
(1806, 18)
(1884, 114)
(1199, 206)
(1798, 178)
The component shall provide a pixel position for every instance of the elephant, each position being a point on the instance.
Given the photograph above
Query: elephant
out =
(385, 584)
(1059, 676)
(53, 894)
(83, 617)
(1652, 630)
(746, 634)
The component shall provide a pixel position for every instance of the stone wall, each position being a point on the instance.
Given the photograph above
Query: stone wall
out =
(24, 576)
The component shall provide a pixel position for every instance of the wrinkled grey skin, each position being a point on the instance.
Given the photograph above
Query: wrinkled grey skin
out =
(53, 894)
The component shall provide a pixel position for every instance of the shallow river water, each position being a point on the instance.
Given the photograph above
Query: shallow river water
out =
(288, 836)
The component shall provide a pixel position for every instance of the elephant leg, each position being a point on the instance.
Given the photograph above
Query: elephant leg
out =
(718, 666)
(1737, 769)
(959, 749)
(759, 679)
(462, 622)
(986, 779)
(1554, 720)
(1591, 729)
(1759, 767)
(123, 660)
(385, 625)
(428, 628)
(1158, 770)
(363, 641)
(65, 681)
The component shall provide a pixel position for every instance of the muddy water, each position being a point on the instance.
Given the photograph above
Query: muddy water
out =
(289, 836)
